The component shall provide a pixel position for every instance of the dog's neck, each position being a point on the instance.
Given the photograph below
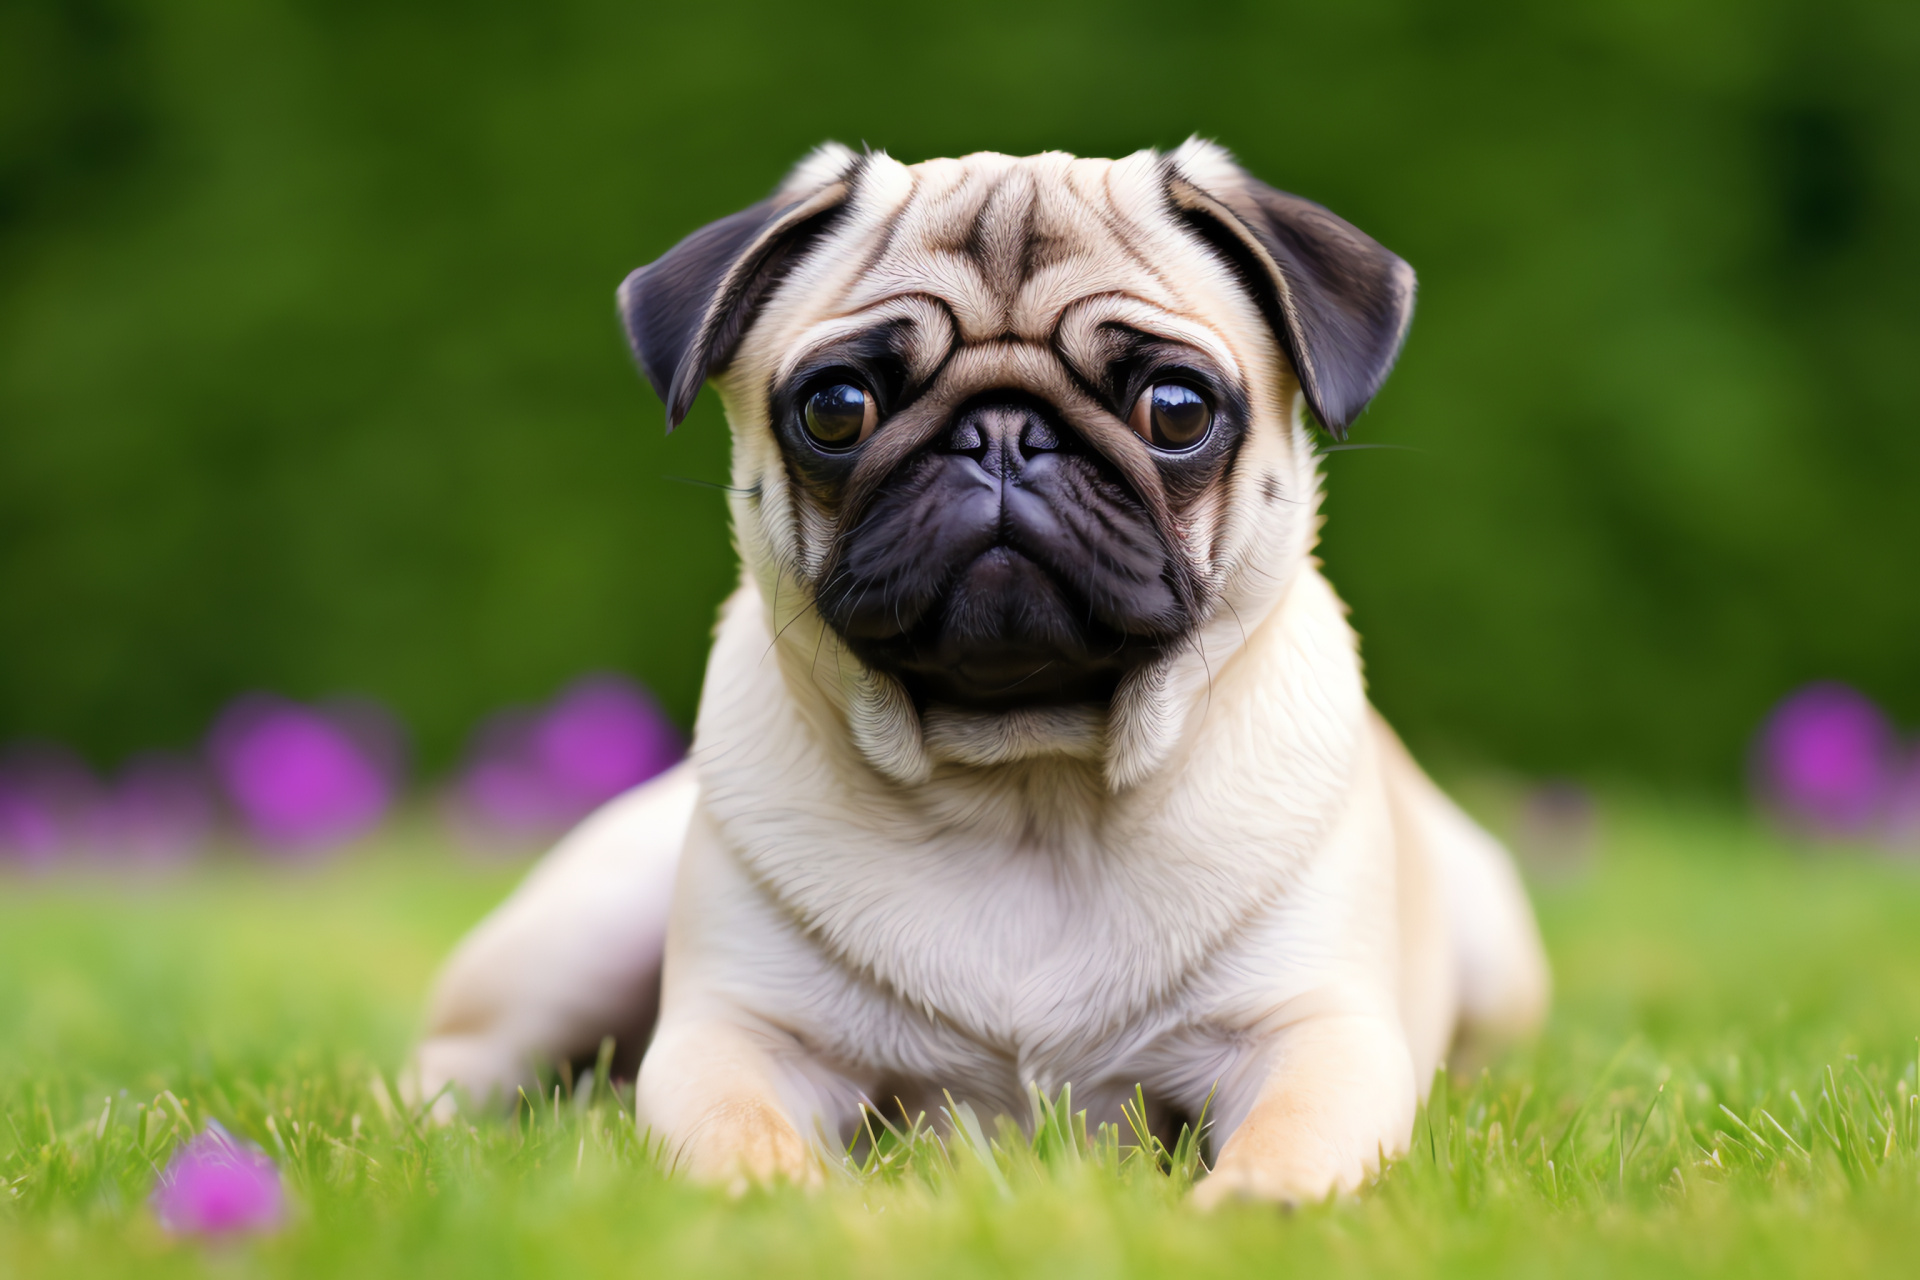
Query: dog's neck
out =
(1154, 712)
(1042, 777)
(774, 723)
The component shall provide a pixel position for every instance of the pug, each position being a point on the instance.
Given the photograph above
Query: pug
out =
(1034, 748)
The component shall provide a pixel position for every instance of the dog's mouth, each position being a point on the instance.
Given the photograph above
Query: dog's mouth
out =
(1008, 634)
(1004, 567)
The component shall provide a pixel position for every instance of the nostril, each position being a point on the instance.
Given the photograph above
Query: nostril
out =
(1002, 435)
(1038, 437)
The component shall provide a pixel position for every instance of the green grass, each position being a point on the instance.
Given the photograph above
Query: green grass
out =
(1727, 1085)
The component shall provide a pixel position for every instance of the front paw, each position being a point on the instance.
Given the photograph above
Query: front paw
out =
(1290, 1178)
(747, 1144)
(1247, 1184)
(1340, 1101)
(446, 1069)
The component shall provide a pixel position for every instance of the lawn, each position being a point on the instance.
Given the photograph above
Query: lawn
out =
(1727, 1085)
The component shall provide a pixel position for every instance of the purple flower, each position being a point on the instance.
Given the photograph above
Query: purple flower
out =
(48, 801)
(1825, 760)
(601, 737)
(300, 778)
(532, 774)
(503, 782)
(160, 809)
(215, 1186)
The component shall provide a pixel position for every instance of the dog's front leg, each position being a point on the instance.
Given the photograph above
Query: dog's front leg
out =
(1337, 1094)
(727, 1086)
(710, 1092)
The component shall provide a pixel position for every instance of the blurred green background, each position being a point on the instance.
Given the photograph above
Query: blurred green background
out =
(310, 378)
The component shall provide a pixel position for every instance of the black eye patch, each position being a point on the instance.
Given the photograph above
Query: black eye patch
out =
(1199, 426)
(837, 398)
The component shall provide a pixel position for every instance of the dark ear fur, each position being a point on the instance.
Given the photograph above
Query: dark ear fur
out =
(1338, 301)
(686, 311)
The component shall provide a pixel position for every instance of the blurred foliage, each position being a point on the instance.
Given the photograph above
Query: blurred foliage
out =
(309, 375)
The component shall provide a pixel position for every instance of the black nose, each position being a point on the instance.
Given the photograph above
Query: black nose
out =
(1001, 436)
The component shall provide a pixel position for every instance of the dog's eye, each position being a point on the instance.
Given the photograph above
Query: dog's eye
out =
(840, 416)
(1171, 415)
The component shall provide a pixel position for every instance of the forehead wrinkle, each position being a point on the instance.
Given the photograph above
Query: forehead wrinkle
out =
(951, 277)
(944, 215)
(1202, 289)
(1053, 292)
(1137, 212)
(1212, 295)
(884, 244)
(932, 324)
(1098, 267)
(976, 236)
(982, 312)
(1023, 366)
(1118, 220)
(1099, 262)
(1003, 230)
(1122, 227)
(1109, 212)
(1167, 323)
(1056, 214)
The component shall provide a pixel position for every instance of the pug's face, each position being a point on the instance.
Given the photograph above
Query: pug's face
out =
(1021, 429)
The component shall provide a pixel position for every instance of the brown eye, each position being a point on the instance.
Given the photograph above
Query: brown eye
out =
(840, 416)
(1171, 415)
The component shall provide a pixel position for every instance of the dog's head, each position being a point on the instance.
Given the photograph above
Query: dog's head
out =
(1022, 430)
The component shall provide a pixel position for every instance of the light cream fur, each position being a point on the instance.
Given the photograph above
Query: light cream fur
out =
(1233, 882)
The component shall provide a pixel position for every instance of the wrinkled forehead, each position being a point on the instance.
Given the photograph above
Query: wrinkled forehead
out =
(1011, 247)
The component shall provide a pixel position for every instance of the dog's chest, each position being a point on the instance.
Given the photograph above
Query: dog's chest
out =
(1041, 925)
(1011, 961)
(912, 952)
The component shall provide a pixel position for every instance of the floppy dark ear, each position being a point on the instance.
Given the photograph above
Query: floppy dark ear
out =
(686, 311)
(1337, 299)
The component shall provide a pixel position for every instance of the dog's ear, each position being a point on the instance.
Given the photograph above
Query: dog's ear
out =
(1338, 301)
(686, 311)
